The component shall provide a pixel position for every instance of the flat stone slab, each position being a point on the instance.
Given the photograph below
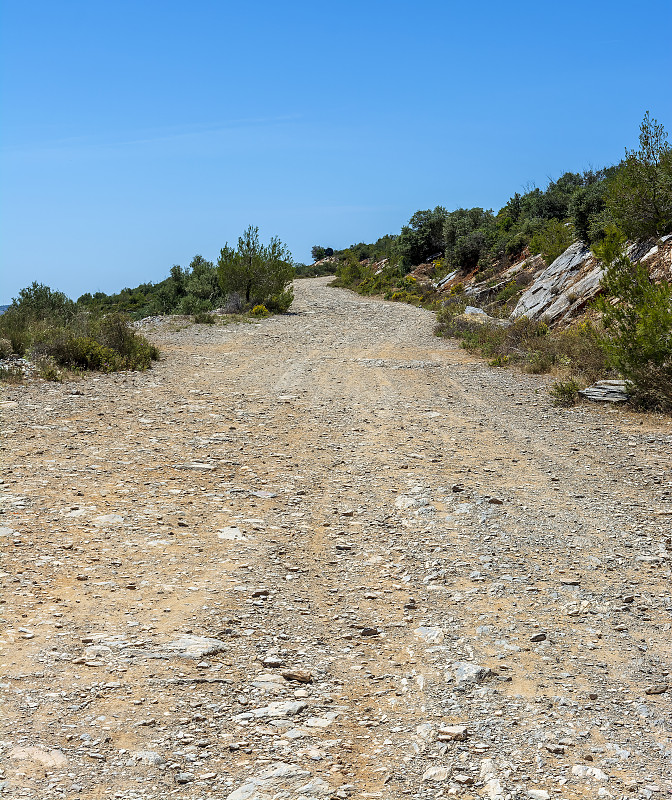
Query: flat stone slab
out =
(48, 758)
(190, 647)
(606, 391)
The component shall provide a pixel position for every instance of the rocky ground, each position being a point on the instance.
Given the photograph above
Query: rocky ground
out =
(328, 555)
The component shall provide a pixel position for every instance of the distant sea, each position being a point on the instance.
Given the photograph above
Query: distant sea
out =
(3, 309)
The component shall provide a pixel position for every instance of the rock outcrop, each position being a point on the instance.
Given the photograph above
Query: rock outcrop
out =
(562, 288)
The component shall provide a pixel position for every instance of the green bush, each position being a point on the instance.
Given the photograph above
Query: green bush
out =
(204, 318)
(47, 326)
(565, 393)
(256, 271)
(528, 343)
(552, 240)
(280, 302)
(48, 371)
(637, 317)
(11, 374)
(36, 306)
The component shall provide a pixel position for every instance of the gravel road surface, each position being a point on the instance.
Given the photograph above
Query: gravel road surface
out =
(328, 555)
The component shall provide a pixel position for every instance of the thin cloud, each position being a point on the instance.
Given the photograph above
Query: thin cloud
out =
(93, 145)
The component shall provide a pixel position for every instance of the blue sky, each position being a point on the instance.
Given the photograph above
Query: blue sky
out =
(136, 134)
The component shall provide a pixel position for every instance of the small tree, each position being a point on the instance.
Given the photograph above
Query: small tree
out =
(262, 274)
(552, 240)
(637, 317)
(318, 253)
(640, 196)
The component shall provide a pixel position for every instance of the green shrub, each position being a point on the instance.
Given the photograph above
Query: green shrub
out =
(204, 318)
(565, 393)
(48, 371)
(48, 326)
(11, 374)
(528, 343)
(637, 317)
(80, 352)
(280, 302)
(5, 348)
(552, 240)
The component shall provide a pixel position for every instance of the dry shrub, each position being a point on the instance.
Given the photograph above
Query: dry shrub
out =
(530, 343)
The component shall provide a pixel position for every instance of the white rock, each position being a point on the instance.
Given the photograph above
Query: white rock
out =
(538, 794)
(276, 710)
(425, 731)
(108, 519)
(270, 781)
(436, 774)
(449, 733)
(494, 789)
(430, 635)
(487, 768)
(582, 771)
(150, 757)
(188, 646)
(467, 673)
(231, 535)
(49, 758)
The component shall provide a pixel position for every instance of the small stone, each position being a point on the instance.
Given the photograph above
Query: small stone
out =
(538, 637)
(660, 688)
(495, 501)
(108, 519)
(557, 749)
(463, 780)
(369, 632)
(430, 635)
(299, 675)
(231, 534)
(188, 646)
(449, 733)
(538, 794)
(150, 757)
(589, 772)
(184, 777)
(467, 673)
(436, 774)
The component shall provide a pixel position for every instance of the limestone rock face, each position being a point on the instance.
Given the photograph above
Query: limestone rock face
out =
(561, 291)
(568, 283)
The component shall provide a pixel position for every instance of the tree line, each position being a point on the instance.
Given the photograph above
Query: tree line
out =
(634, 196)
(248, 275)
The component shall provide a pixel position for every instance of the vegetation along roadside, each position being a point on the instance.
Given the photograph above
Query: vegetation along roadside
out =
(481, 272)
(58, 335)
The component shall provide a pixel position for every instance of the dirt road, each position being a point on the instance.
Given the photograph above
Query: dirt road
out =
(329, 555)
